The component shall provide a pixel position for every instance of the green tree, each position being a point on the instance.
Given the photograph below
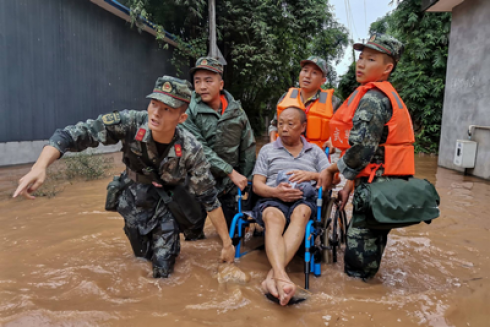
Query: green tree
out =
(421, 73)
(380, 25)
(261, 40)
(348, 83)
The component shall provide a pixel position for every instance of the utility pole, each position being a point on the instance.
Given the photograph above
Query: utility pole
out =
(353, 54)
(213, 42)
(213, 47)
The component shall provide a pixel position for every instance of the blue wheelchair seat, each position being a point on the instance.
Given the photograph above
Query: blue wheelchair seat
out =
(312, 252)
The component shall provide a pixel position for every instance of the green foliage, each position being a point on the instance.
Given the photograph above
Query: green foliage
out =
(380, 25)
(261, 40)
(81, 166)
(87, 166)
(421, 73)
(348, 83)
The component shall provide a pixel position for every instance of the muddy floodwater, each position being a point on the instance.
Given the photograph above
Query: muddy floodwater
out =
(66, 262)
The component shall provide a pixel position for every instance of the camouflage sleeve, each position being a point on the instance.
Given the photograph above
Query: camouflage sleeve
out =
(220, 167)
(372, 114)
(247, 150)
(273, 124)
(201, 181)
(106, 129)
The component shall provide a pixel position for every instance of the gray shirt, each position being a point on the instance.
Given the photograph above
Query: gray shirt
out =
(274, 157)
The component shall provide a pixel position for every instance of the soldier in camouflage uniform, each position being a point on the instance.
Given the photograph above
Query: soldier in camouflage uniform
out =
(156, 153)
(310, 88)
(219, 122)
(365, 247)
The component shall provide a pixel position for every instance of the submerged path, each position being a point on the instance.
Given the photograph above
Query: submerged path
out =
(66, 262)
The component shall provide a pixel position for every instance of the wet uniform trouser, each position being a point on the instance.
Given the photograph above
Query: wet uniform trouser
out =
(150, 227)
(364, 246)
(228, 205)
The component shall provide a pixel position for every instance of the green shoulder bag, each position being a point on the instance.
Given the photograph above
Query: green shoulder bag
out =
(399, 203)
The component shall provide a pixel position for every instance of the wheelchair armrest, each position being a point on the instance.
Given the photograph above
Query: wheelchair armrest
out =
(249, 198)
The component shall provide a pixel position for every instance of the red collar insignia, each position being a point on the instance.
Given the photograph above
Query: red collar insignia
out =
(178, 150)
(139, 136)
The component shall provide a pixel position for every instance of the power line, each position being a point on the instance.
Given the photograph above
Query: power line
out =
(365, 16)
(348, 20)
(352, 18)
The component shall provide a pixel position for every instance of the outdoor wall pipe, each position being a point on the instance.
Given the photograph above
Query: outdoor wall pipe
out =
(472, 128)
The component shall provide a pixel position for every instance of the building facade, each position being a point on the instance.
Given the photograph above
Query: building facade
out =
(467, 98)
(64, 61)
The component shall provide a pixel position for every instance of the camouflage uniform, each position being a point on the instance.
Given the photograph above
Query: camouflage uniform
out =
(149, 225)
(228, 140)
(322, 64)
(365, 246)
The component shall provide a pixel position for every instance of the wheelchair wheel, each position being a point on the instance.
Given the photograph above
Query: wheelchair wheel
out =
(334, 235)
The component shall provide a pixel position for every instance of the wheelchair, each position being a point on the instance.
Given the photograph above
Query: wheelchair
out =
(324, 235)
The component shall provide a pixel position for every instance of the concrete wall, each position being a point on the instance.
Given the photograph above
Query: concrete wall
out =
(64, 61)
(14, 153)
(467, 97)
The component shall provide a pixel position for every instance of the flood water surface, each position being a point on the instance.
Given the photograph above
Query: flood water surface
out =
(66, 262)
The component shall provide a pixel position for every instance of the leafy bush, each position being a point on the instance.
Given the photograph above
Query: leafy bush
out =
(79, 166)
(87, 166)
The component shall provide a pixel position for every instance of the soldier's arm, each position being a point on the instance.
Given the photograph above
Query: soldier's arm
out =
(35, 178)
(273, 124)
(247, 150)
(106, 129)
(372, 114)
(72, 138)
(219, 167)
(202, 184)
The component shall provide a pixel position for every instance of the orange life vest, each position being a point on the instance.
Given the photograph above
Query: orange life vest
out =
(318, 114)
(399, 151)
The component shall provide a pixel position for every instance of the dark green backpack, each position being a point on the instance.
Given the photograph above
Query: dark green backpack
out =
(399, 203)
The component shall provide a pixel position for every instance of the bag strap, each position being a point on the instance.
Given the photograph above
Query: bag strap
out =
(374, 168)
(164, 195)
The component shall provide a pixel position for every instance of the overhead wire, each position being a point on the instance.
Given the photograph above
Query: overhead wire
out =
(352, 19)
(365, 16)
(348, 20)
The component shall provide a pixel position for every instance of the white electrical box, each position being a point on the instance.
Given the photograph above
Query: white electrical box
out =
(465, 154)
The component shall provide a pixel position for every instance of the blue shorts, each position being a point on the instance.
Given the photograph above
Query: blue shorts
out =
(286, 208)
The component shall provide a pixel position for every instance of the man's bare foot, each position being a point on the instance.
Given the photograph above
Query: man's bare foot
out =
(286, 289)
(269, 284)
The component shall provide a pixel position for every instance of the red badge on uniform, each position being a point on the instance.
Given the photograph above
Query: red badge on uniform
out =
(141, 133)
(178, 150)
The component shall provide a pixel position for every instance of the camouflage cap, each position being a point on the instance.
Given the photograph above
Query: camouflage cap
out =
(208, 63)
(384, 44)
(317, 61)
(172, 91)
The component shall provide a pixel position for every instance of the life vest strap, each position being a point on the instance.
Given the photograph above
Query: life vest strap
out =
(374, 168)
(307, 110)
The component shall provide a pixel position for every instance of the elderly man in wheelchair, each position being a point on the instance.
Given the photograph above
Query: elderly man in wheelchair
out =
(284, 177)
